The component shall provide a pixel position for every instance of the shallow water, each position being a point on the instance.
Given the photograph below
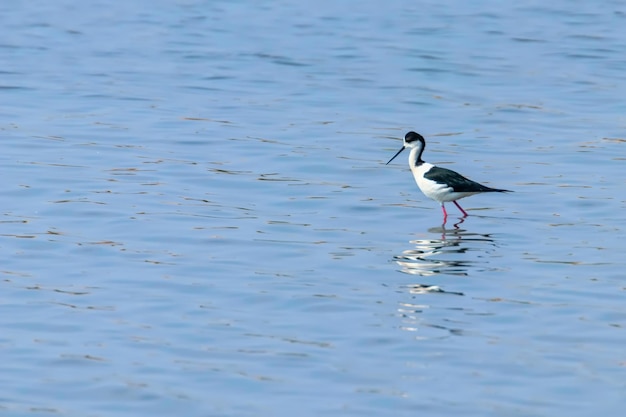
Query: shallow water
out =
(197, 215)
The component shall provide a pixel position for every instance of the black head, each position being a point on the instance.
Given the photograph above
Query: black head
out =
(412, 137)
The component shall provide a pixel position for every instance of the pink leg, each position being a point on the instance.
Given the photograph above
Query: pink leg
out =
(445, 215)
(461, 208)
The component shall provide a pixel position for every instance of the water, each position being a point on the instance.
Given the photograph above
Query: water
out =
(196, 214)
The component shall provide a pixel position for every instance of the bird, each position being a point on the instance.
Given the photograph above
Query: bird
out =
(440, 184)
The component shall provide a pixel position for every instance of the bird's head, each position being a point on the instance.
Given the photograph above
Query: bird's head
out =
(411, 140)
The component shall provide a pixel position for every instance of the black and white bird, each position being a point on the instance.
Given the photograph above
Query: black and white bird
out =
(440, 184)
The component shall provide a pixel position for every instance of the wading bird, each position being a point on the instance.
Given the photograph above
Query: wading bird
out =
(440, 184)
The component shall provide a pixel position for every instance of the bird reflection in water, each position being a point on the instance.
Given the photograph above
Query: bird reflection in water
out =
(448, 256)
(445, 255)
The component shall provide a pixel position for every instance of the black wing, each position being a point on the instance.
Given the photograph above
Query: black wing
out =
(458, 182)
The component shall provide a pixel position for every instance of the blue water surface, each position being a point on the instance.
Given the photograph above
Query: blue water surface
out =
(197, 217)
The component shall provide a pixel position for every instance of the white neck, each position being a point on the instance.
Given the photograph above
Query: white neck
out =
(415, 155)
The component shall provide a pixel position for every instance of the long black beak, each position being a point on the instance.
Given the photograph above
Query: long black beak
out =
(394, 157)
